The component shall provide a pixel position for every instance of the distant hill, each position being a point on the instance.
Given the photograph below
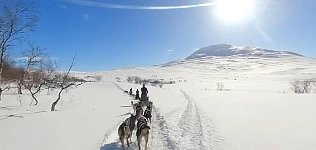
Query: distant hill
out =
(230, 50)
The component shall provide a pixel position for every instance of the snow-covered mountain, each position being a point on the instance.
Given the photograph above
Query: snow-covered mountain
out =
(228, 59)
(230, 50)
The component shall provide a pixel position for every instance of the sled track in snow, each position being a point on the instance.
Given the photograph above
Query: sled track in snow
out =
(109, 142)
(196, 128)
(160, 130)
(119, 87)
(190, 124)
(159, 137)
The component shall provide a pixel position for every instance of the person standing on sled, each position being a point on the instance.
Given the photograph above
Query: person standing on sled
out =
(130, 91)
(144, 93)
(137, 95)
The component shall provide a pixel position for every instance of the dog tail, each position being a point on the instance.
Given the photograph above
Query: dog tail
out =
(147, 129)
(122, 130)
(125, 128)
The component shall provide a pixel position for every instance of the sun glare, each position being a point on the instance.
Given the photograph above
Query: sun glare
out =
(233, 10)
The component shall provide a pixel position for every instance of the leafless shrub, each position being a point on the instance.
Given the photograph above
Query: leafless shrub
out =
(220, 86)
(302, 86)
(118, 79)
(98, 78)
(138, 80)
(153, 82)
(11, 73)
(134, 79)
(129, 79)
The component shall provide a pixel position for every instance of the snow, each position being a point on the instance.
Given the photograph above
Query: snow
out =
(256, 109)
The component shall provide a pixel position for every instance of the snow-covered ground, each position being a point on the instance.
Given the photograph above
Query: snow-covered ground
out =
(255, 110)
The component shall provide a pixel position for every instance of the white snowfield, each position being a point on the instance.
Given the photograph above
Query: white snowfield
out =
(255, 110)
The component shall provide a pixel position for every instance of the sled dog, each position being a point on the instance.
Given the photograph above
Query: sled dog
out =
(124, 134)
(142, 131)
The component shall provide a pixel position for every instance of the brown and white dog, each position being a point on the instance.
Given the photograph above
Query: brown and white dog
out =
(142, 131)
(139, 111)
(124, 134)
(125, 131)
(131, 122)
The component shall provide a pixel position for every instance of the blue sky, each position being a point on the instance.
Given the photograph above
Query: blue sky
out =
(107, 38)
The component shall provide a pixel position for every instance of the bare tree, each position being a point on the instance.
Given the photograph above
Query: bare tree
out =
(17, 17)
(38, 70)
(34, 59)
(63, 84)
(34, 85)
(38, 82)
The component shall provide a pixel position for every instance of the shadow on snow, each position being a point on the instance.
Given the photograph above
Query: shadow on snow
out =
(111, 146)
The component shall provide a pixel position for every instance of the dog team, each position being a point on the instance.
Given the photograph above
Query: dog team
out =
(125, 130)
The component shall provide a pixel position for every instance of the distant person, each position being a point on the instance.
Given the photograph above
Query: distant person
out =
(137, 95)
(144, 90)
(130, 91)
(144, 93)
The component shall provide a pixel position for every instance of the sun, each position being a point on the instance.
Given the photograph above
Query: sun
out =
(234, 10)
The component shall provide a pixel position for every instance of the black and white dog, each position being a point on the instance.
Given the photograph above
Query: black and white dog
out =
(147, 114)
(150, 105)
